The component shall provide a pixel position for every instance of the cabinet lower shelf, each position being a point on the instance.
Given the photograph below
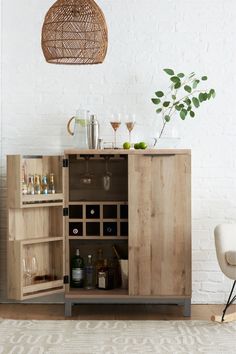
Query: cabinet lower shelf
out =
(96, 293)
(45, 288)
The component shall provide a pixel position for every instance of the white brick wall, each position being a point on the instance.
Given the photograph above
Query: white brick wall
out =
(144, 37)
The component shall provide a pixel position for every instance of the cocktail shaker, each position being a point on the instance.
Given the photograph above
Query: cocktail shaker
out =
(93, 132)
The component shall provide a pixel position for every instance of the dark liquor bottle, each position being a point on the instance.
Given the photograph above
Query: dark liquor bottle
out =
(103, 276)
(90, 274)
(77, 270)
(99, 263)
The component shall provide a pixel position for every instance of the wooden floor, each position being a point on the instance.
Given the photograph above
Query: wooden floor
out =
(109, 312)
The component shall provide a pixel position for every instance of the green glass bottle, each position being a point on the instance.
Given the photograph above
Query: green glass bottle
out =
(77, 270)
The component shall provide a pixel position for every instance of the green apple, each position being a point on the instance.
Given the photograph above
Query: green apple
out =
(126, 146)
(142, 145)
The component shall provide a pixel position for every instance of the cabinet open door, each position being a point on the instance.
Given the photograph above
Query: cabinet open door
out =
(36, 237)
(159, 225)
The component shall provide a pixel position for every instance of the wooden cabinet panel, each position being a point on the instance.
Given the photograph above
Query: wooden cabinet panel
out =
(35, 229)
(159, 225)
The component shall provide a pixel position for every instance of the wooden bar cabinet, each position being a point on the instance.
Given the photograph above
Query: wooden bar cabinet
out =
(145, 211)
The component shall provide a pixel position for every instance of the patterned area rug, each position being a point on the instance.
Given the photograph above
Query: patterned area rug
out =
(116, 337)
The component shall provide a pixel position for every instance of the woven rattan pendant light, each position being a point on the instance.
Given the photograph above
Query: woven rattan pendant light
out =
(74, 32)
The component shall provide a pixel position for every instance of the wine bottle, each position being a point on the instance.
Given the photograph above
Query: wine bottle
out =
(77, 270)
(99, 263)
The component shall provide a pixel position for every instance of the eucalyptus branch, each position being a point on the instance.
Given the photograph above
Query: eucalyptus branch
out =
(168, 103)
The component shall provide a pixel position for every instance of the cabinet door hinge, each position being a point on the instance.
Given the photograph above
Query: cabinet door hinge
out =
(65, 211)
(65, 162)
(66, 279)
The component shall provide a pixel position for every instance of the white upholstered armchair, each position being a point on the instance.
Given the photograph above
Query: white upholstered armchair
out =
(225, 242)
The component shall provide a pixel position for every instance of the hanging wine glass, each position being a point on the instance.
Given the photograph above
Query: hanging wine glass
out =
(130, 123)
(107, 175)
(115, 123)
(86, 177)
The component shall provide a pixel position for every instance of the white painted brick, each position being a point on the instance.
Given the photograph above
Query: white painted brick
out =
(199, 276)
(212, 287)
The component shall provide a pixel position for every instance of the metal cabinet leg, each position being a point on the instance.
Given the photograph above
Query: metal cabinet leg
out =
(68, 309)
(187, 308)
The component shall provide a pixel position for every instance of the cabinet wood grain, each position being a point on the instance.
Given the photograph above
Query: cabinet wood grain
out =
(160, 225)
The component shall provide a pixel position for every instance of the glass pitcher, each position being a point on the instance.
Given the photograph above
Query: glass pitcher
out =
(80, 131)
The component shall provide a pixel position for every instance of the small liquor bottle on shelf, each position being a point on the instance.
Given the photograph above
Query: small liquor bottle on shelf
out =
(24, 179)
(77, 270)
(99, 263)
(105, 277)
(51, 185)
(30, 185)
(90, 274)
(37, 186)
(44, 185)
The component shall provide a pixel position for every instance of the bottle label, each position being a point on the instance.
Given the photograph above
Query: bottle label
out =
(102, 280)
(77, 274)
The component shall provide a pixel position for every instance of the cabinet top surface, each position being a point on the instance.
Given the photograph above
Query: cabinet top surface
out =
(129, 152)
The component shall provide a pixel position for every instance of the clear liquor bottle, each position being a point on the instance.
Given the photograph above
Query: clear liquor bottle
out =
(37, 185)
(77, 270)
(90, 274)
(44, 185)
(24, 180)
(51, 185)
(30, 185)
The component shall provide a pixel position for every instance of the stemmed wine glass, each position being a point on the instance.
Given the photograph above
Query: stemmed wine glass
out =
(86, 177)
(107, 175)
(30, 269)
(115, 123)
(130, 122)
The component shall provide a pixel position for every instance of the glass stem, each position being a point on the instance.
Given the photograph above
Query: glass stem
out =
(129, 137)
(115, 140)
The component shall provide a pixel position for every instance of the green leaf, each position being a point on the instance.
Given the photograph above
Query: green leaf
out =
(195, 102)
(177, 85)
(181, 75)
(183, 114)
(213, 93)
(187, 101)
(195, 83)
(205, 96)
(173, 97)
(175, 79)
(178, 108)
(191, 75)
(169, 71)
(189, 108)
(181, 105)
(167, 118)
(159, 110)
(204, 78)
(188, 88)
(201, 97)
(166, 104)
(192, 114)
(159, 94)
(156, 100)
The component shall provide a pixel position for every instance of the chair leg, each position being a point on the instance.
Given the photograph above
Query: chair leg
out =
(229, 302)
